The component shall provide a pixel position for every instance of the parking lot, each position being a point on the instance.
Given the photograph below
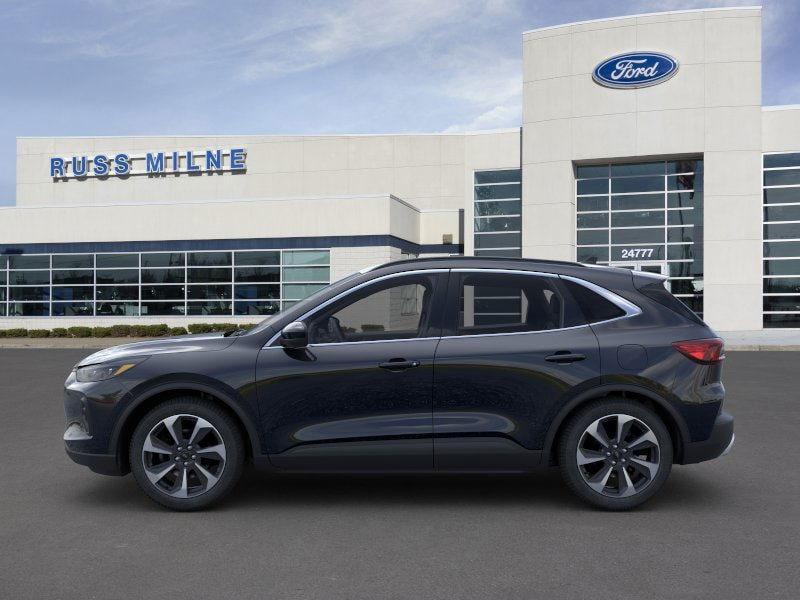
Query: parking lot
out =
(724, 529)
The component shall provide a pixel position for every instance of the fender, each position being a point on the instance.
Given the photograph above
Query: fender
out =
(188, 381)
(549, 442)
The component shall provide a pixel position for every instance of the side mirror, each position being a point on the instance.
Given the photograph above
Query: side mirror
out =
(294, 335)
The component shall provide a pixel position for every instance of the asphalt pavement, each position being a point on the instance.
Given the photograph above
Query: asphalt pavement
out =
(725, 529)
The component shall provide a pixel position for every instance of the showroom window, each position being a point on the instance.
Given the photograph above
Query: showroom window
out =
(497, 223)
(646, 216)
(125, 284)
(781, 302)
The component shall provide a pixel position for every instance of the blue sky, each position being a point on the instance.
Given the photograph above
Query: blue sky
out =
(152, 67)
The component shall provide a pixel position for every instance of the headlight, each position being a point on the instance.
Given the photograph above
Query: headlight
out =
(101, 372)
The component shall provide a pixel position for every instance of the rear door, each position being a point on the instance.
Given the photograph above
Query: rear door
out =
(515, 345)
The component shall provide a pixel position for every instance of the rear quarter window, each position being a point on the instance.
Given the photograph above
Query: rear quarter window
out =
(593, 306)
(658, 292)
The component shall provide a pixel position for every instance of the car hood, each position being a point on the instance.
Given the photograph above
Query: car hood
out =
(206, 342)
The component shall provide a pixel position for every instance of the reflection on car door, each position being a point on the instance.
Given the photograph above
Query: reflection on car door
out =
(360, 396)
(512, 346)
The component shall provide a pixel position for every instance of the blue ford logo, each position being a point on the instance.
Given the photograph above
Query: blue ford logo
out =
(635, 70)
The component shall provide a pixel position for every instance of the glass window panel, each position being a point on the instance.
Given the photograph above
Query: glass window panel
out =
(115, 261)
(637, 202)
(680, 269)
(782, 195)
(497, 240)
(776, 321)
(29, 277)
(684, 182)
(209, 259)
(162, 308)
(163, 259)
(685, 200)
(220, 275)
(684, 166)
(790, 159)
(788, 177)
(3, 308)
(3, 262)
(781, 249)
(680, 234)
(28, 309)
(163, 276)
(637, 184)
(593, 203)
(782, 231)
(640, 252)
(648, 168)
(117, 292)
(73, 309)
(782, 285)
(637, 236)
(73, 277)
(782, 213)
(2, 277)
(117, 309)
(73, 261)
(680, 252)
(784, 303)
(29, 261)
(495, 192)
(29, 293)
(71, 292)
(209, 292)
(782, 267)
(257, 308)
(257, 274)
(209, 308)
(498, 176)
(498, 224)
(503, 253)
(2, 294)
(592, 186)
(117, 275)
(587, 171)
(269, 257)
(255, 292)
(162, 292)
(593, 255)
(684, 217)
(586, 238)
(306, 257)
(637, 219)
(593, 220)
(685, 286)
(511, 207)
(297, 291)
(306, 274)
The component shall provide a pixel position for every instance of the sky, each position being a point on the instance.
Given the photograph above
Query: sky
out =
(172, 67)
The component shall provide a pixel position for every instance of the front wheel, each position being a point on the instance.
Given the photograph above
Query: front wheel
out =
(615, 454)
(187, 453)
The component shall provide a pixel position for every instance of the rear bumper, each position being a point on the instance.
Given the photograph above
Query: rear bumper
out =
(719, 442)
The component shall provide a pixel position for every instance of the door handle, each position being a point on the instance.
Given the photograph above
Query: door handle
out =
(565, 357)
(398, 364)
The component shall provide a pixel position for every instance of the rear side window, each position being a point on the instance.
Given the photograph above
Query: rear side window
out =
(508, 303)
(594, 307)
(658, 292)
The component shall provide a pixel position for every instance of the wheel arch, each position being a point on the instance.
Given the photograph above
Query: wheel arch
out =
(147, 399)
(668, 414)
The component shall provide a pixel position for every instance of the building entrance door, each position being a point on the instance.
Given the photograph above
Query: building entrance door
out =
(646, 266)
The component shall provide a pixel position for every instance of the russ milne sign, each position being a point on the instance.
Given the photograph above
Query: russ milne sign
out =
(635, 70)
(152, 163)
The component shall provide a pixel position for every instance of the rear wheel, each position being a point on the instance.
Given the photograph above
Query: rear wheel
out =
(187, 453)
(615, 453)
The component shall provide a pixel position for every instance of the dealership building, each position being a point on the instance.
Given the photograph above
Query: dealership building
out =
(643, 144)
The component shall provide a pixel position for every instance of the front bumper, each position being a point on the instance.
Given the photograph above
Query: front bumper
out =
(718, 443)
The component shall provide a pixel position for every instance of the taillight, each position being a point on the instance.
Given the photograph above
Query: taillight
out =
(706, 351)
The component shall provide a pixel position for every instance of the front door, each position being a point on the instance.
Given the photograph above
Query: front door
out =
(514, 345)
(359, 398)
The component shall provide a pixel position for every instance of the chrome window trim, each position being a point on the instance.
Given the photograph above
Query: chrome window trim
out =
(349, 291)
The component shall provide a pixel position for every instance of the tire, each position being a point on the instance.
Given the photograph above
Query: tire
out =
(200, 473)
(636, 469)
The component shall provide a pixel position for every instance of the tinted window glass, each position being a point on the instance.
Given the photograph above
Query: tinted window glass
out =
(209, 259)
(594, 307)
(498, 176)
(258, 258)
(29, 262)
(73, 261)
(656, 291)
(117, 260)
(497, 192)
(163, 259)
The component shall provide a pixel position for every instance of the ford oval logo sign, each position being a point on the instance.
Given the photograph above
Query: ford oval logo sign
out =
(635, 70)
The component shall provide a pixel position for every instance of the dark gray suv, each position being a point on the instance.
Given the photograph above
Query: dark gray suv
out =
(433, 365)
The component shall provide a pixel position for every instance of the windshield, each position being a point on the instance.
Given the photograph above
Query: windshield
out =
(303, 305)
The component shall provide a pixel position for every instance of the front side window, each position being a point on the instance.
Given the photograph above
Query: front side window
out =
(397, 309)
(509, 303)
